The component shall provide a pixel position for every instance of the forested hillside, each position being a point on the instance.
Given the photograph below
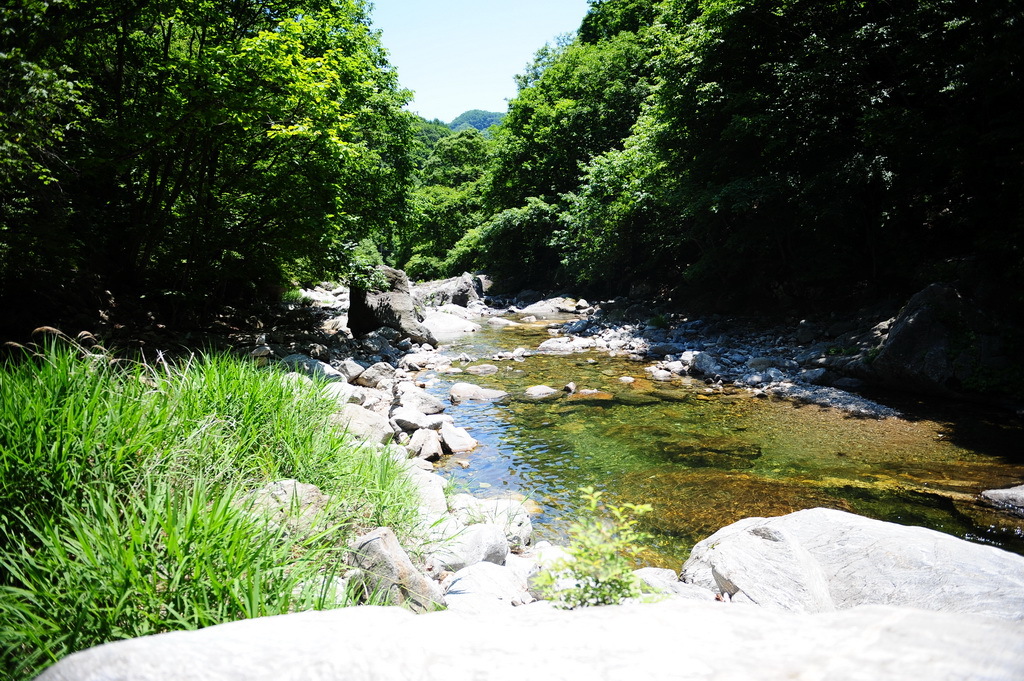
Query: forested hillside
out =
(477, 119)
(802, 150)
(795, 147)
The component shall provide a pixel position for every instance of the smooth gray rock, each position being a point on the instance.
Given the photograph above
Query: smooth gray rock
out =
(373, 376)
(312, 367)
(1010, 499)
(670, 640)
(461, 392)
(299, 507)
(447, 327)
(703, 364)
(819, 559)
(662, 349)
(409, 420)
(509, 513)
(363, 424)
(430, 488)
(538, 392)
(417, 361)
(560, 345)
(813, 376)
(667, 582)
(485, 586)
(392, 306)
(350, 369)
(414, 397)
(941, 343)
(426, 444)
(343, 393)
(461, 290)
(472, 544)
(482, 370)
(384, 566)
(456, 440)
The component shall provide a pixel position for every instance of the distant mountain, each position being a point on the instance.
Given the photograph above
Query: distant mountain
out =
(475, 118)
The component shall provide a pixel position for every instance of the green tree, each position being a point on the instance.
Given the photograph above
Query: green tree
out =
(426, 134)
(217, 144)
(445, 205)
(577, 101)
(809, 143)
(824, 137)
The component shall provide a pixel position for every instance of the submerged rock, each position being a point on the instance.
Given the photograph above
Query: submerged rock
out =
(1010, 499)
(461, 392)
(540, 391)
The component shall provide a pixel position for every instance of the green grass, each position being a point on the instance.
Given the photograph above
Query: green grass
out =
(125, 499)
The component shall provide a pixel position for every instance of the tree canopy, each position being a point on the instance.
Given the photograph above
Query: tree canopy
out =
(192, 150)
(798, 146)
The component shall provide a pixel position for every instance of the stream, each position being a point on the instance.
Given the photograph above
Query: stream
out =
(704, 459)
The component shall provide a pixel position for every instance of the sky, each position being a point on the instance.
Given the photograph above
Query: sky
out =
(458, 55)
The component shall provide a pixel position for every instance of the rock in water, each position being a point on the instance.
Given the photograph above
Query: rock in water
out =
(1010, 499)
(392, 306)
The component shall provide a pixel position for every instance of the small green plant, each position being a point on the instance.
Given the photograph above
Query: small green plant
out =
(603, 552)
(296, 297)
(658, 321)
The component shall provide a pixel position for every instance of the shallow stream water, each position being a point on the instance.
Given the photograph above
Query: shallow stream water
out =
(705, 459)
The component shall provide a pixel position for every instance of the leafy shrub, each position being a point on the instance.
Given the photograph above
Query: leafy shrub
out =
(423, 267)
(603, 552)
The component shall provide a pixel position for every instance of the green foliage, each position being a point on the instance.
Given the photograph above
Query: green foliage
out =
(577, 102)
(296, 297)
(518, 243)
(691, 142)
(456, 159)
(425, 136)
(201, 145)
(608, 18)
(123, 499)
(603, 548)
(445, 206)
(582, 104)
(820, 134)
(476, 119)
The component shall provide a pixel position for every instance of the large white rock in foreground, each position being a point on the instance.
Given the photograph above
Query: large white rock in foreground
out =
(670, 640)
(820, 560)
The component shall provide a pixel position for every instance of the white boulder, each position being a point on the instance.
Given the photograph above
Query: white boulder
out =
(820, 559)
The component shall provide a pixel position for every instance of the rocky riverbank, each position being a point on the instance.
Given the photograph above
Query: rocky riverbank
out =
(755, 600)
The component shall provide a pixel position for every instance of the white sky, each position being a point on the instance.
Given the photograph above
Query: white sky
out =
(458, 55)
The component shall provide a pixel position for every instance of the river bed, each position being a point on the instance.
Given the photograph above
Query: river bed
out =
(704, 458)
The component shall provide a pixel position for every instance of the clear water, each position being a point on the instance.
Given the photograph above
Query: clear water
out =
(705, 459)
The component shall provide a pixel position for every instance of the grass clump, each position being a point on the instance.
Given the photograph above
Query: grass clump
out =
(126, 499)
(603, 548)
